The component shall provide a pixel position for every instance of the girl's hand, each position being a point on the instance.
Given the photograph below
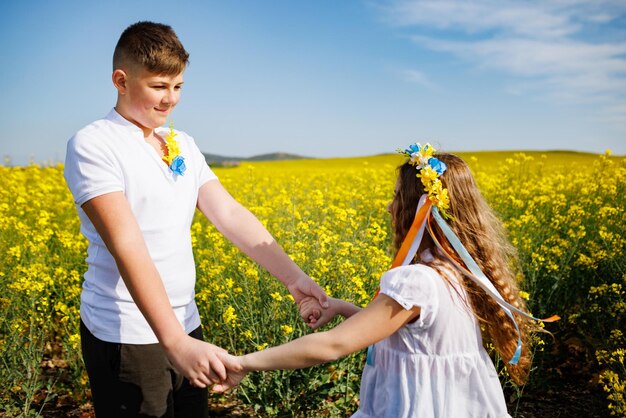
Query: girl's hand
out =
(234, 369)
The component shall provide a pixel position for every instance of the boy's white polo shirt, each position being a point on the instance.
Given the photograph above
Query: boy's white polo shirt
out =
(111, 155)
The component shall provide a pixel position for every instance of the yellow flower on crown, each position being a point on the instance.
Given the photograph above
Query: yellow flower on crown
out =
(428, 175)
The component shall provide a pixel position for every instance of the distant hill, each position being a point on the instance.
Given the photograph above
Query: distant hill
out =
(214, 158)
(274, 156)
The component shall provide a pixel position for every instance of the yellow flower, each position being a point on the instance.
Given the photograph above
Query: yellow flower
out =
(173, 149)
(229, 316)
(276, 296)
(428, 175)
(74, 341)
(286, 329)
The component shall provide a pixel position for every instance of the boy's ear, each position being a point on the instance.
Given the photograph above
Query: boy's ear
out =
(119, 78)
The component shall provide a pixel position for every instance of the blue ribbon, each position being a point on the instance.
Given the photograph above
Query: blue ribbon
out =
(481, 280)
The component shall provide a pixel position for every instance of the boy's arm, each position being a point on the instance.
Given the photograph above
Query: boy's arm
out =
(244, 230)
(380, 319)
(113, 219)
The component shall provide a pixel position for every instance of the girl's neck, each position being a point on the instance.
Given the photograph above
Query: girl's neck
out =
(427, 244)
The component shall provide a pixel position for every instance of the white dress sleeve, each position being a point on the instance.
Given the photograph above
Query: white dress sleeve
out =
(411, 286)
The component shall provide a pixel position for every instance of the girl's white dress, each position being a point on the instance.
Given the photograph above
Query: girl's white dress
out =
(435, 366)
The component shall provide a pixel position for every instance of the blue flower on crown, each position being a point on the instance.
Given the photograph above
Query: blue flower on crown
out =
(436, 164)
(413, 148)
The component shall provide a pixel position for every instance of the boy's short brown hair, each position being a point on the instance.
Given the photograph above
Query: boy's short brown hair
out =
(154, 46)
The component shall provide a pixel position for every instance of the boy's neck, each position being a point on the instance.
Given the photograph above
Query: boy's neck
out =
(147, 132)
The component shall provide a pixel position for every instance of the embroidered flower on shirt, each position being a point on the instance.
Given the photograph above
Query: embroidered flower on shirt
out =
(173, 159)
(178, 165)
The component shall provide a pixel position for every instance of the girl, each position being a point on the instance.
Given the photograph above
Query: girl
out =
(426, 355)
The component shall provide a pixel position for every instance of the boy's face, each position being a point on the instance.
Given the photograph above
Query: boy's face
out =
(146, 99)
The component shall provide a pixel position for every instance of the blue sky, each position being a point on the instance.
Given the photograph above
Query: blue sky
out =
(332, 78)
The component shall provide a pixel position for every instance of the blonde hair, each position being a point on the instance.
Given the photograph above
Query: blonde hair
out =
(482, 233)
(153, 46)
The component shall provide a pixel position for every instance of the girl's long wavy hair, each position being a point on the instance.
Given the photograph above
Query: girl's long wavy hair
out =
(481, 232)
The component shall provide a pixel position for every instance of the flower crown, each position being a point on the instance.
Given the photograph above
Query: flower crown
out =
(429, 169)
(173, 159)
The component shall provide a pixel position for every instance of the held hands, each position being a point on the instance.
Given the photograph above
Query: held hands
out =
(304, 286)
(198, 361)
(236, 372)
(314, 314)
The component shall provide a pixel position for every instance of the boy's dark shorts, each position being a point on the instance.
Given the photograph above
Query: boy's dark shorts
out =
(131, 380)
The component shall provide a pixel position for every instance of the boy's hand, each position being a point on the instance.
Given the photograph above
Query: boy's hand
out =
(198, 361)
(314, 315)
(310, 310)
(236, 372)
(304, 286)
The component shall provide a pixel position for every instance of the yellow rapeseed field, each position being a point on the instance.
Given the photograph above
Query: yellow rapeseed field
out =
(563, 211)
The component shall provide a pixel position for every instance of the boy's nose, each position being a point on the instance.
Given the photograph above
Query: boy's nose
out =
(170, 98)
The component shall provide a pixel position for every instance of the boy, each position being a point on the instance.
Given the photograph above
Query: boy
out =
(136, 187)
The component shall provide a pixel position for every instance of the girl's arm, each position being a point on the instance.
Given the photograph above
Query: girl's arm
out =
(316, 316)
(244, 230)
(346, 309)
(380, 319)
(113, 219)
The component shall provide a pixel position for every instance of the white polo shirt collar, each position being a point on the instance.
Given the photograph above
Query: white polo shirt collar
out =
(115, 117)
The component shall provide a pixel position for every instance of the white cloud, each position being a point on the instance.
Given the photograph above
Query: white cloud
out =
(479, 16)
(415, 76)
(566, 49)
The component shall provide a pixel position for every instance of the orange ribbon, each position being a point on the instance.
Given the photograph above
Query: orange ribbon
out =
(420, 217)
